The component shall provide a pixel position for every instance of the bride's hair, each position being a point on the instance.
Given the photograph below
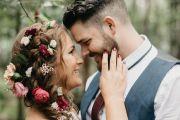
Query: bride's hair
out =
(39, 49)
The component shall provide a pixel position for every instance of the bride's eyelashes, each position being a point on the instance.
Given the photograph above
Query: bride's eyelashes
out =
(72, 50)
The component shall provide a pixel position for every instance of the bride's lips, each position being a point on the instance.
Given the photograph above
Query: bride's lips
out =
(76, 70)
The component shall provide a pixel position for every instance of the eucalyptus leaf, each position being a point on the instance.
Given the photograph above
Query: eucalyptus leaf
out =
(16, 76)
(20, 59)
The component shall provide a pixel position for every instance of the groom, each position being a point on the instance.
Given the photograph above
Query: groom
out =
(153, 83)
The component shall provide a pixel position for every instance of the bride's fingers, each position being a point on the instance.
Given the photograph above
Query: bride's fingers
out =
(119, 64)
(124, 69)
(104, 63)
(113, 59)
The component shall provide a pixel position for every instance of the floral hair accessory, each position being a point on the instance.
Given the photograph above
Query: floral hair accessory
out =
(17, 87)
(45, 69)
(9, 71)
(19, 90)
(53, 43)
(43, 50)
(59, 91)
(25, 41)
(31, 32)
(55, 106)
(50, 24)
(28, 72)
(40, 95)
(50, 50)
(63, 104)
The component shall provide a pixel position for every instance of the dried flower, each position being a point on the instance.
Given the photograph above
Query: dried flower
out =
(45, 69)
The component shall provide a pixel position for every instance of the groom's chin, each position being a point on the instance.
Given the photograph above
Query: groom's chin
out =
(99, 67)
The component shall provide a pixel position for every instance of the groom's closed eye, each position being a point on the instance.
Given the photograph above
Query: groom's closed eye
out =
(86, 42)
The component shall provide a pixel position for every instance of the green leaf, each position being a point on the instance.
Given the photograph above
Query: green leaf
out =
(20, 59)
(16, 76)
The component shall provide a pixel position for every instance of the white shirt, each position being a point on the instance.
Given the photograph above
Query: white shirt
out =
(167, 100)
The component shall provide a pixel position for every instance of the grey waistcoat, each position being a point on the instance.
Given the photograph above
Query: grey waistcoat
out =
(140, 99)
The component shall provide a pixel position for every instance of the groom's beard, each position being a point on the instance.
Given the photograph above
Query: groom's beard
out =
(108, 45)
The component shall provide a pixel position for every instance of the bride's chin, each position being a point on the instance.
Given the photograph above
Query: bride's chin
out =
(76, 84)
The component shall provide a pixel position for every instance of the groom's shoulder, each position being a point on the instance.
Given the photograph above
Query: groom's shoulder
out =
(89, 80)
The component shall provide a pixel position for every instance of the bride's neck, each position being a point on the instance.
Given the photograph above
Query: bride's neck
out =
(33, 114)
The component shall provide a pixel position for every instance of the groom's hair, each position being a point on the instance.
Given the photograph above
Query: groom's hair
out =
(94, 11)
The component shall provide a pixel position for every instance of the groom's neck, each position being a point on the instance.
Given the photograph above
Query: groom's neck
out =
(129, 40)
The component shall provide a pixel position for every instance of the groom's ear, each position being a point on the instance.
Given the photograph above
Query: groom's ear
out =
(109, 25)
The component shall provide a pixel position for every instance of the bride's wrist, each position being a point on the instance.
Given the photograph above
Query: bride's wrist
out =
(114, 99)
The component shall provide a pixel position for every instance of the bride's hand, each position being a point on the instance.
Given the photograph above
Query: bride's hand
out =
(113, 79)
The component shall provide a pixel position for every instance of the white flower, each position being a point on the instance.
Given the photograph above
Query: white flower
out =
(53, 43)
(9, 71)
(52, 23)
(28, 72)
(54, 105)
(50, 50)
(59, 91)
(25, 41)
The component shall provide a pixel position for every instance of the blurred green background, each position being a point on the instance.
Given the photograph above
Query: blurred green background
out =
(158, 19)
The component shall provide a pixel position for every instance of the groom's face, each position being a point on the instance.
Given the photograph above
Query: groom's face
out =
(93, 41)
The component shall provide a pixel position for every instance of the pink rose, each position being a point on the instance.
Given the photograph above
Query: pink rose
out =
(19, 90)
(40, 95)
(43, 50)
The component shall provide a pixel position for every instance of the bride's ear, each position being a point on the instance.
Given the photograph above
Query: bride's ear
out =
(109, 25)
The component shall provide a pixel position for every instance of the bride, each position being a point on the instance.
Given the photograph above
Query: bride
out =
(45, 67)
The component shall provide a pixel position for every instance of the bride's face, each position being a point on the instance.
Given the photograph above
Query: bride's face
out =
(72, 61)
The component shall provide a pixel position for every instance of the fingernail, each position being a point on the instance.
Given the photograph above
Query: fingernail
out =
(106, 52)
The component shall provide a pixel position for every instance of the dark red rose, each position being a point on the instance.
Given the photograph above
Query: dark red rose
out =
(43, 50)
(31, 32)
(40, 95)
(62, 103)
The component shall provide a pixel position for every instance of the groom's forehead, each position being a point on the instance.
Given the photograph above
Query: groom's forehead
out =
(80, 32)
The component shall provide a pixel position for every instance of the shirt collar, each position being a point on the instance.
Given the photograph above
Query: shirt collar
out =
(139, 53)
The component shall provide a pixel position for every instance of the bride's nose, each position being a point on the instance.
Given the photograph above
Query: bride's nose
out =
(80, 60)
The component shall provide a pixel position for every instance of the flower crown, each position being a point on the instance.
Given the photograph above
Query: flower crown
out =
(44, 49)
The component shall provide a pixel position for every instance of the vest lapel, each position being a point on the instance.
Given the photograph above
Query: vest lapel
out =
(89, 95)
